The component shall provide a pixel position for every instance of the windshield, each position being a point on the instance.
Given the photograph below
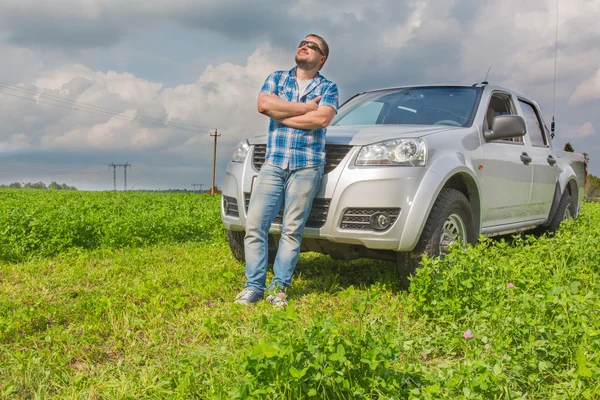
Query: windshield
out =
(453, 106)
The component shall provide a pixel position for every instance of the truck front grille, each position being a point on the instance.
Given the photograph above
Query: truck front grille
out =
(316, 218)
(230, 205)
(360, 218)
(334, 154)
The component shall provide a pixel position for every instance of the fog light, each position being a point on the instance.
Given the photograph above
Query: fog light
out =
(225, 204)
(380, 221)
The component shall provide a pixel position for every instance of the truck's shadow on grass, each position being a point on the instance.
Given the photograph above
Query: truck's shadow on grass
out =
(316, 273)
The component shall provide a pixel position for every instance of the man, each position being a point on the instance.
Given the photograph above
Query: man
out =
(301, 104)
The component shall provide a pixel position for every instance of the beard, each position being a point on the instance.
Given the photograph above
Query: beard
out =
(306, 64)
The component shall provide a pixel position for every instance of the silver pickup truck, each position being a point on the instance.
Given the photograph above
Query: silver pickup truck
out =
(412, 170)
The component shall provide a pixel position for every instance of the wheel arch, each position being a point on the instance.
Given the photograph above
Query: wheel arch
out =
(568, 182)
(574, 192)
(465, 183)
(568, 186)
(460, 178)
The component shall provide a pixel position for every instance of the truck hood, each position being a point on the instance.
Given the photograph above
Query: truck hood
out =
(367, 134)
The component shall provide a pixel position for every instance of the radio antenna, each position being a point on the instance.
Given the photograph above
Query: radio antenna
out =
(486, 75)
(553, 125)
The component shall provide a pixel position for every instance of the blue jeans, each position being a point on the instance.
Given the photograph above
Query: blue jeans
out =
(273, 185)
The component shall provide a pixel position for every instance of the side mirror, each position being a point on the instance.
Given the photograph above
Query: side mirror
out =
(506, 127)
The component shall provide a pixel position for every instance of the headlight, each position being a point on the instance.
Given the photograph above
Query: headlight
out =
(240, 153)
(394, 152)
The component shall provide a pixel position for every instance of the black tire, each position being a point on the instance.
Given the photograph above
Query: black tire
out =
(236, 245)
(450, 207)
(563, 212)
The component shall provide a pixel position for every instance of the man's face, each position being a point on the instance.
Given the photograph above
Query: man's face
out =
(307, 57)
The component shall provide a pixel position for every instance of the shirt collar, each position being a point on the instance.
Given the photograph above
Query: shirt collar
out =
(292, 72)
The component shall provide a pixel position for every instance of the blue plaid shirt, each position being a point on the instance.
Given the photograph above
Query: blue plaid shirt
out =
(297, 148)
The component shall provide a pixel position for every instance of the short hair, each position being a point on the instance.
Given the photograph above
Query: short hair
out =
(325, 46)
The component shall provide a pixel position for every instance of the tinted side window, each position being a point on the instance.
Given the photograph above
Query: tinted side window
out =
(533, 124)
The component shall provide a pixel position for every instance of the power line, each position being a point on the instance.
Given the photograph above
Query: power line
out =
(114, 116)
(100, 113)
(91, 106)
(98, 110)
(29, 169)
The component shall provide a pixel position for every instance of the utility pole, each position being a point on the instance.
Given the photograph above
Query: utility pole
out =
(114, 169)
(215, 135)
(197, 184)
(125, 169)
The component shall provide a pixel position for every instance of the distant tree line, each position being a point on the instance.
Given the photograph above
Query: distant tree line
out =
(217, 190)
(592, 188)
(38, 185)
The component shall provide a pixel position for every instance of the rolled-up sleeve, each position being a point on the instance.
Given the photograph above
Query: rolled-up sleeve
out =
(330, 97)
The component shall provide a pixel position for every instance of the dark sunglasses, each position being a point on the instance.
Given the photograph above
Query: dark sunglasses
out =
(311, 45)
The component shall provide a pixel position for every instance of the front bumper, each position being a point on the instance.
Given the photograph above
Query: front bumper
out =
(345, 188)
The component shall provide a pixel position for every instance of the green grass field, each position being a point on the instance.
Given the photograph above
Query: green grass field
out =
(129, 295)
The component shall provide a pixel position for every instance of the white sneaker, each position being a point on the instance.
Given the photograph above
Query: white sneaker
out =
(247, 297)
(278, 300)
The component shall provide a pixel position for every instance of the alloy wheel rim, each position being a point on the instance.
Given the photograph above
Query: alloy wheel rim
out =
(567, 215)
(453, 231)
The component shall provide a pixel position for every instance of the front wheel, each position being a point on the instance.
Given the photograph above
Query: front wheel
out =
(236, 245)
(450, 222)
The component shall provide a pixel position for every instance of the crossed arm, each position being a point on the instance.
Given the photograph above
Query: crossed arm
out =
(307, 115)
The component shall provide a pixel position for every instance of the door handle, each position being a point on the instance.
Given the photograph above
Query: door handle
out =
(526, 158)
(551, 160)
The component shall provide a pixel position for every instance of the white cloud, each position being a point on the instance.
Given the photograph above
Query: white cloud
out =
(225, 97)
(399, 35)
(337, 11)
(58, 78)
(18, 63)
(587, 91)
(586, 130)
(15, 143)
(174, 120)
(380, 43)
(20, 140)
(118, 133)
(518, 41)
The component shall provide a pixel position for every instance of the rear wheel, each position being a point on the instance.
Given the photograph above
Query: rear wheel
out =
(450, 222)
(564, 212)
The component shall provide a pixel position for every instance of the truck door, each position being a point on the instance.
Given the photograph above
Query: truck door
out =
(545, 169)
(507, 177)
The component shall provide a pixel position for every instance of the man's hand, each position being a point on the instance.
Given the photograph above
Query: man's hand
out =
(276, 108)
(313, 105)
(320, 118)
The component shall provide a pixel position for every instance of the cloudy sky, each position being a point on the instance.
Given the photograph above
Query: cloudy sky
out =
(87, 83)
